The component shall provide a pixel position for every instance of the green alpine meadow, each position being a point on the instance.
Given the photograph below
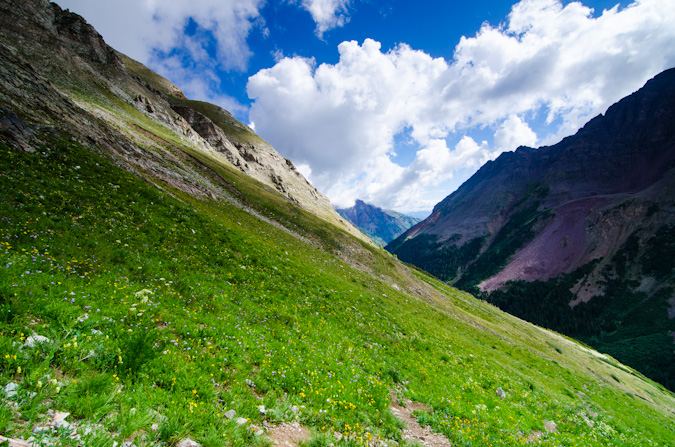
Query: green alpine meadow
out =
(168, 279)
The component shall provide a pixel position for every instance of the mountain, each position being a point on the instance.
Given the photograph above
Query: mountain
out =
(382, 226)
(155, 293)
(89, 83)
(578, 237)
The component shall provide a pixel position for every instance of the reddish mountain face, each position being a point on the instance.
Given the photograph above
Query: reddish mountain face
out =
(586, 221)
(623, 158)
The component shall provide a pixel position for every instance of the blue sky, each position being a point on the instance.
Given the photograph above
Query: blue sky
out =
(398, 102)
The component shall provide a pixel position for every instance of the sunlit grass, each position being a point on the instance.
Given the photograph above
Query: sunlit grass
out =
(163, 312)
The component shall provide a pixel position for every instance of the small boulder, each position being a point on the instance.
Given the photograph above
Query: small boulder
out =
(59, 419)
(241, 421)
(534, 436)
(501, 393)
(550, 427)
(187, 442)
(10, 390)
(230, 414)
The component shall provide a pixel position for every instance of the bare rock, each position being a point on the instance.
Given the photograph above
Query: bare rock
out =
(10, 390)
(501, 393)
(550, 427)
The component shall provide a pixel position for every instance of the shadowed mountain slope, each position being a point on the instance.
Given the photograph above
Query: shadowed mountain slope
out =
(569, 236)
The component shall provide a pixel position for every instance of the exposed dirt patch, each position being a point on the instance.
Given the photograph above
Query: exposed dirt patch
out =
(535, 436)
(288, 435)
(414, 431)
(589, 286)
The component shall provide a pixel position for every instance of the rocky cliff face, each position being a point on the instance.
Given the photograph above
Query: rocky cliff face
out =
(382, 226)
(57, 73)
(621, 159)
(569, 235)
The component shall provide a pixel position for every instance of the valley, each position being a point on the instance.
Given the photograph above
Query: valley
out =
(169, 279)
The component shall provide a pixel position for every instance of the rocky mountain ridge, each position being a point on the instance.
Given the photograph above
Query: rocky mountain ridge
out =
(382, 226)
(590, 216)
(621, 157)
(58, 71)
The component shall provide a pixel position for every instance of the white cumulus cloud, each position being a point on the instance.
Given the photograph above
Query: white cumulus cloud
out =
(327, 14)
(384, 182)
(547, 60)
(514, 132)
(154, 33)
(337, 117)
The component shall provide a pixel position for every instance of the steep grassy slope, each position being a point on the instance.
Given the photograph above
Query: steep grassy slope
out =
(163, 312)
(170, 288)
(55, 64)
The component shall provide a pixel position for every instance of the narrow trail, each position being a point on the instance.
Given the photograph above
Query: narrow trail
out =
(414, 432)
(288, 435)
(291, 434)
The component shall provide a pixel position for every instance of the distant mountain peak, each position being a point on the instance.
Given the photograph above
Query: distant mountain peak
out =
(382, 226)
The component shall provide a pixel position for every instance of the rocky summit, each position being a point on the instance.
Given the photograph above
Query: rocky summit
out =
(54, 64)
(382, 226)
(578, 236)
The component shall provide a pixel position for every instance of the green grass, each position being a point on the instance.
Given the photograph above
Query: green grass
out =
(164, 312)
(629, 324)
(632, 326)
